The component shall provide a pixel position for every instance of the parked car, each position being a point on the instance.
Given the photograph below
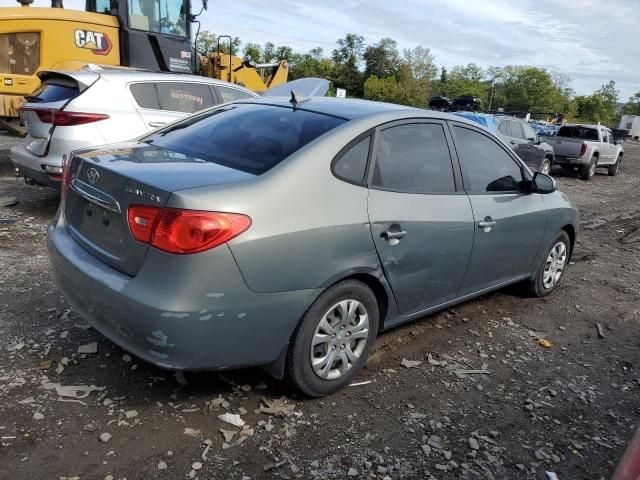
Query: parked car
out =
(530, 147)
(587, 147)
(440, 103)
(467, 102)
(95, 106)
(289, 234)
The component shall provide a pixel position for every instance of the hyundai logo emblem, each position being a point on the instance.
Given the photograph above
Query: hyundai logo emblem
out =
(93, 175)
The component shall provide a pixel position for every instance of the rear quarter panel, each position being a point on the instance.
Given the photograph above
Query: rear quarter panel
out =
(308, 230)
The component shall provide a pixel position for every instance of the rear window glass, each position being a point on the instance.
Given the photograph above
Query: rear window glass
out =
(19, 53)
(578, 132)
(250, 138)
(145, 95)
(231, 94)
(184, 97)
(54, 90)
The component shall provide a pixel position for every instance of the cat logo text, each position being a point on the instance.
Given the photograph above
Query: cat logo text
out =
(98, 42)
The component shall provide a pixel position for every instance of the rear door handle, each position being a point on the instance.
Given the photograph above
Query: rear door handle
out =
(389, 235)
(487, 224)
(157, 124)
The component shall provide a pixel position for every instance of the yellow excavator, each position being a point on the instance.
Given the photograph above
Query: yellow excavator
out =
(146, 34)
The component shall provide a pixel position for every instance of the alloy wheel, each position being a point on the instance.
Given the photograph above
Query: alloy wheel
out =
(554, 266)
(339, 339)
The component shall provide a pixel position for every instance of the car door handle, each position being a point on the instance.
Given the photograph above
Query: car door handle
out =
(157, 124)
(512, 142)
(487, 224)
(393, 235)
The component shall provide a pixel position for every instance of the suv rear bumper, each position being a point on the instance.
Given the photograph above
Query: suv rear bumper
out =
(183, 312)
(32, 166)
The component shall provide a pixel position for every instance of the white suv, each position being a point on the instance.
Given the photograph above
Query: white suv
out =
(95, 106)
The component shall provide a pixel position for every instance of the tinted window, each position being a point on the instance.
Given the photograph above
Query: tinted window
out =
(251, 138)
(486, 167)
(231, 94)
(504, 129)
(55, 90)
(184, 97)
(162, 16)
(578, 132)
(516, 129)
(611, 138)
(414, 158)
(353, 163)
(145, 95)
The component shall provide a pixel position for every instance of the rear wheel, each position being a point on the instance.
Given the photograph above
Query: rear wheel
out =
(615, 168)
(334, 339)
(551, 267)
(545, 167)
(589, 170)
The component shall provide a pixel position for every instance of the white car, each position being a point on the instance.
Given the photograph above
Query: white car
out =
(95, 106)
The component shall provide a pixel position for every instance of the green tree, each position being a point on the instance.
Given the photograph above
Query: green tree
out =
(468, 80)
(350, 49)
(632, 107)
(253, 51)
(208, 43)
(347, 58)
(310, 64)
(382, 59)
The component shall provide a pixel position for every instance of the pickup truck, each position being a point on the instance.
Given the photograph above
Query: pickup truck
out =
(587, 147)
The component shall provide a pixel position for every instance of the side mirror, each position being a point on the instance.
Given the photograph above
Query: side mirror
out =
(543, 183)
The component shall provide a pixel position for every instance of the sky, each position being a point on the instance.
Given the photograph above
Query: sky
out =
(590, 40)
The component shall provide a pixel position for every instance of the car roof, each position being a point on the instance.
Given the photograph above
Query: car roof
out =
(351, 108)
(126, 75)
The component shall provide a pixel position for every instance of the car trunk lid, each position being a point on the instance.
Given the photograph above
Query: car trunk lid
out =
(104, 183)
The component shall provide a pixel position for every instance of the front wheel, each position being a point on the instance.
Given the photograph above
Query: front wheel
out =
(545, 167)
(551, 267)
(615, 168)
(334, 339)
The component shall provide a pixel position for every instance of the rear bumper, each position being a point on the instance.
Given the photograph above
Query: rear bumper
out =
(571, 161)
(32, 166)
(187, 312)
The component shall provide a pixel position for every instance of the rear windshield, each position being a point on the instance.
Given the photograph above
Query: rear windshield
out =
(54, 90)
(247, 137)
(578, 132)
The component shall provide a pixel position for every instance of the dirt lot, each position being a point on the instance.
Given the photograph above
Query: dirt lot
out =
(568, 409)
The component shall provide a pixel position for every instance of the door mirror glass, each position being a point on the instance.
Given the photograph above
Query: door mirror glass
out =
(543, 183)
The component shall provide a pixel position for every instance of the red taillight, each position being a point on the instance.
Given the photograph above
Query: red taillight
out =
(65, 119)
(583, 149)
(184, 231)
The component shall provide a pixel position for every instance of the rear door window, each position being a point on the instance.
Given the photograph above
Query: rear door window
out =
(184, 97)
(145, 95)
(247, 137)
(576, 131)
(353, 163)
(231, 94)
(486, 166)
(516, 129)
(413, 158)
(504, 129)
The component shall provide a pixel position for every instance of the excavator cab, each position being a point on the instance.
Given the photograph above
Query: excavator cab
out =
(153, 34)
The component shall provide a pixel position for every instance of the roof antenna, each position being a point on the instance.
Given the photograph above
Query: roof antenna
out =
(297, 98)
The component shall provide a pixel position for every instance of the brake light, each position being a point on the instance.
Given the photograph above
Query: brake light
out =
(183, 232)
(65, 119)
(583, 149)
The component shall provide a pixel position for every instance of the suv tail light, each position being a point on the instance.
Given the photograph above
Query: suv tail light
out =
(583, 149)
(184, 232)
(61, 118)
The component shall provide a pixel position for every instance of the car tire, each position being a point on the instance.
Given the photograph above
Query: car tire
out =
(589, 170)
(615, 168)
(324, 330)
(548, 274)
(545, 166)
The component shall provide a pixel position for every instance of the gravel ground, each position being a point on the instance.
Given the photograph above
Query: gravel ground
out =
(568, 409)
